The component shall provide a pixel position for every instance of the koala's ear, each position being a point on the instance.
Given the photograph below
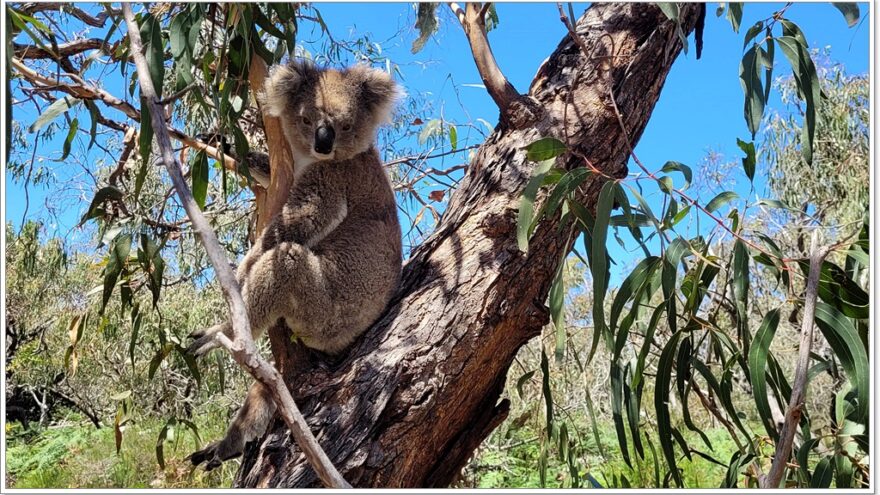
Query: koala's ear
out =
(378, 91)
(284, 84)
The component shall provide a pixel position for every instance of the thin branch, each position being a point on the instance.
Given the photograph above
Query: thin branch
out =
(799, 386)
(473, 22)
(23, 51)
(242, 347)
(95, 21)
(179, 94)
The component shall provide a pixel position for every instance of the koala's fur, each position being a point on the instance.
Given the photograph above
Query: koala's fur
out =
(330, 260)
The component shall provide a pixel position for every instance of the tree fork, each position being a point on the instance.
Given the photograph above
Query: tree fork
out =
(419, 391)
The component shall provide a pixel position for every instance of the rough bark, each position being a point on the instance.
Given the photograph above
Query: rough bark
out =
(419, 392)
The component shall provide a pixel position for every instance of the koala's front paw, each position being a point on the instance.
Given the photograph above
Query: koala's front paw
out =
(214, 455)
(203, 341)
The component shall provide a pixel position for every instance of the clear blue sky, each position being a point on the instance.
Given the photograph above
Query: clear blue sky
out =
(700, 107)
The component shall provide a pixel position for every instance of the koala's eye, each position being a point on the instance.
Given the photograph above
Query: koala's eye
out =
(306, 121)
(346, 127)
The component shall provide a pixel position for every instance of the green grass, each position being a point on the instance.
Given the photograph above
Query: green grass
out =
(511, 459)
(81, 456)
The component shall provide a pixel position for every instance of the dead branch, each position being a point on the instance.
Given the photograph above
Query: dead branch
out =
(242, 346)
(799, 386)
(472, 19)
(95, 21)
(23, 51)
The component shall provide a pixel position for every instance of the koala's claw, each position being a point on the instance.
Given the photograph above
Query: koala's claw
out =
(211, 456)
(203, 341)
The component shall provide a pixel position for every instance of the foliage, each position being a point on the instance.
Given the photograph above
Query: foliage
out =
(681, 322)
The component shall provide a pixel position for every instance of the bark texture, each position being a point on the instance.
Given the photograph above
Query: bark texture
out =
(420, 390)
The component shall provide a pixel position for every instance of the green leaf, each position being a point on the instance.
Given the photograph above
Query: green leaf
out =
(527, 204)
(566, 184)
(720, 200)
(669, 9)
(734, 15)
(107, 193)
(145, 144)
(544, 149)
(117, 258)
(749, 160)
(616, 375)
(661, 405)
(178, 34)
(599, 264)
(522, 381)
(750, 80)
(850, 12)
(848, 348)
(757, 364)
(752, 33)
(453, 137)
(795, 49)
(741, 291)
(52, 112)
(160, 442)
(154, 47)
(822, 474)
(557, 306)
(160, 356)
(672, 166)
(199, 174)
(135, 331)
(68, 141)
(545, 389)
(631, 287)
(93, 128)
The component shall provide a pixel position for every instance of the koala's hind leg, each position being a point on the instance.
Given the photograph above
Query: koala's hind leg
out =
(250, 423)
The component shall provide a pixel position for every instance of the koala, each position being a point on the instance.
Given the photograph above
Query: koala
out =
(329, 262)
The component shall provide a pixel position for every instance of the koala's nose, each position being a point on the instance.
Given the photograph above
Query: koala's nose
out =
(324, 137)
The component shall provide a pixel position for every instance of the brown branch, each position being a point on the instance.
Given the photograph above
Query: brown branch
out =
(23, 51)
(242, 346)
(95, 21)
(473, 21)
(799, 387)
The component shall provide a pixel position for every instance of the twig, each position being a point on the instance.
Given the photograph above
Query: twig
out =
(179, 94)
(94, 21)
(799, 387)
(497, 85)
(63, 50)
(242, 346)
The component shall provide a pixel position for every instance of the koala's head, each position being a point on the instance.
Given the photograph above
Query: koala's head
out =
(328, 113)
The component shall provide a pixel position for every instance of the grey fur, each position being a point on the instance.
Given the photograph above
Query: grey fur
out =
(330, 260)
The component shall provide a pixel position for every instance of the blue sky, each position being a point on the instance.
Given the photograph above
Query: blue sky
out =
(700, 106)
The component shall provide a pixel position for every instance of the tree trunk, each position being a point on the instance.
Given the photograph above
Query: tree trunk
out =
(420, 390)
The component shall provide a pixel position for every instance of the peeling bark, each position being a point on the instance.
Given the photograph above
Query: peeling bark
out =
(420, 390)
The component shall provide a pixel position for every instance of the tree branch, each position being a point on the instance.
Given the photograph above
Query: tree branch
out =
(799, 387)
(472, 19)
(95, 21)
(242, 346)
(23, 51)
